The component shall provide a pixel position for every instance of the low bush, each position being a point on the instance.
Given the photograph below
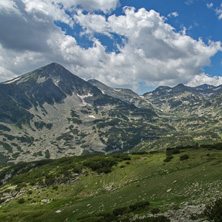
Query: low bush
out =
(168, 159)
(21, 201)
(55, 187)
(120, 211)
(50, 180)
(217, 146)
(153, 219)
(29, 192)
(170, 151)
(77, 168)
(139, 206)
(184, 157)
(91, 219)
(214, 211)
(155, 210)
(121, 156)
(100, 164)
(139, 153)
(125, 214)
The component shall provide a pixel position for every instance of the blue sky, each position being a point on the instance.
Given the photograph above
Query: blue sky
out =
(137, 44)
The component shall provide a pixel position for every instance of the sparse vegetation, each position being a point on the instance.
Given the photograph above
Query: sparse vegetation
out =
(213, 211)
(40, 125)
(4, 128)
(21, 200)
(95, 188)
(124, 214)
(184, 157)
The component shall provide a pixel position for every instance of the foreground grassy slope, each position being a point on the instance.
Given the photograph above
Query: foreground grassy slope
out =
(76, 189)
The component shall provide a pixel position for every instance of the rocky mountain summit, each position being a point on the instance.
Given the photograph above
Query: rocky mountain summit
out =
(182, 99)
(126, 95)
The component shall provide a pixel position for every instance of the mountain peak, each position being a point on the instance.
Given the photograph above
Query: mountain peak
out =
(181, 85)
(162, 88)
(53, 69)
(54, 64)
(204, 87)
(180, 88)
(49, 84)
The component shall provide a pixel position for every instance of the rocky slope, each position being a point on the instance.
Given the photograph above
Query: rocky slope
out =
(49, 113)
(183, 100)
(125, 95)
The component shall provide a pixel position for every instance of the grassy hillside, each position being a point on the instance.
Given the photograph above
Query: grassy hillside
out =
(84, 188)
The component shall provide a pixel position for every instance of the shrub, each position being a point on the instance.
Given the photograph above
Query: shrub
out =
(154, 219)
(217, 146)
(107, 216)
(19, 187)
(184, 157)
(139, 153)
(29, 192)
(77, 169)
(102, 217)
(50, 180)
(100, 164)
(90, 219)
(21, 201)
(168, 158)
(55, 187)
(213, 211)
(170, 151)
(121, 156)
(120, 211)
(139, 205)
(155, 210)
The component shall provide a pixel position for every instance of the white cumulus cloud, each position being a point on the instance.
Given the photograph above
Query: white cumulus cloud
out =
(205, 79)
(8, 5)
(47, 9)
(93, 5)
(154, 52)
(149, 50)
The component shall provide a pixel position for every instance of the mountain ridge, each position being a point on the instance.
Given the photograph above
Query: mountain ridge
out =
(75, 115)
(126, 95)
(50, 113)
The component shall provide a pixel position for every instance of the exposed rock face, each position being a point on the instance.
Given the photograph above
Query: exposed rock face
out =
(50, 113)
(185, 213)
(125, 95)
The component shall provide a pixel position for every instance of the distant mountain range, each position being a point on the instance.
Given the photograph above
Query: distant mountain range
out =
(50, 113)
